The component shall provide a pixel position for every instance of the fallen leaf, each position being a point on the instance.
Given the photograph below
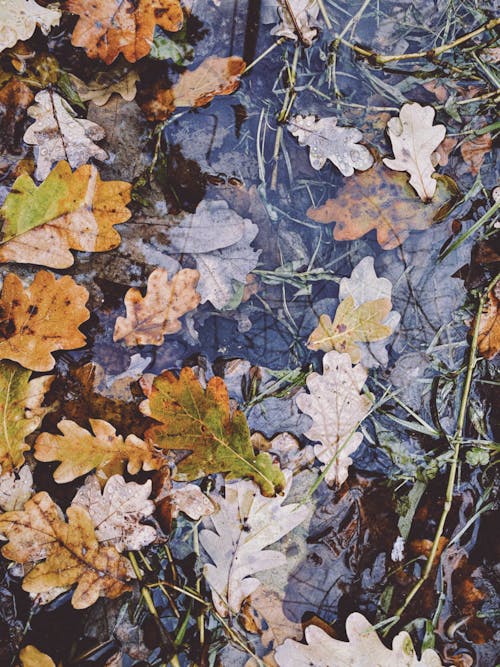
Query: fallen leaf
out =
(117, 512)
(266, 608)
(151, 317)
(15, 490)
(191, 500)
(43, 318)
(19, 18)
(70, 551)
(58, 135)
(382, 200)
(298, 20)
(105, 84)
(20, 411)
(362, 648)
(474, 150)
(444, 149)
(287, 448)
(245, 524)
(488, 342)
(195, 88)
(200, 420)
(68, 211)
(30, 656)
(106, 29)
(328, 141)
(80, 452)
(337, 407)
(15, 98)
(414, 138)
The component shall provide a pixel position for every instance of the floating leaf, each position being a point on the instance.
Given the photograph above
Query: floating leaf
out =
(414, 139)
(200, 420)
(30, 656)
(15, 490)
(19, 18)
(298, 20)
(70, 551)
(43, 318)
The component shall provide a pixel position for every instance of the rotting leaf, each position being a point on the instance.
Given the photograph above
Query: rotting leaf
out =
(15, 489)
(105, 84)
(15, 98)
(68, 211)
(474, 151)
(298, 20)
(43, 318)
(488, 342)
(70, 552)
(19, 18)
(200, 421)
(30, 656)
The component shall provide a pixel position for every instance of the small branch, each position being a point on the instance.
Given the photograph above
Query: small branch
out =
(263, 55)
(472, 230)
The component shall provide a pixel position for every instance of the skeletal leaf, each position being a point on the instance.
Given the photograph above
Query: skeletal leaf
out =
(80, 452)
(30, 656)
(105, 84)
(337, 407)
(70, 552)
(327, 141)
(117, 512)
(150, 317)
(298, 20)
(200, 420)
(363, 648)
(414, 139)
(19, 18)
(244, 526)
(15, 490)
(58, 135)
(20, 411)
(489, 325)
(107, 28)
(68, 211)
(43, 318)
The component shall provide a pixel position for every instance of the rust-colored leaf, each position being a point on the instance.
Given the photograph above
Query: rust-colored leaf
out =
(488, 342)
(474, 150)
(15, 98)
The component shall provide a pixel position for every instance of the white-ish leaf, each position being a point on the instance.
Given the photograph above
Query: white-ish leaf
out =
(363, 649)
(15, 489)
(191, 500)
(336, 406)
(364, 285)
(58, 135)
(117, 512)
(19, 18)
(414, 139)
(328, 141)
(246, 523)
(302, 25)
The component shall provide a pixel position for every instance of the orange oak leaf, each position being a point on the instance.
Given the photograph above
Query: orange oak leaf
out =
(474, 150)
(488, 342)
(107, 28)
(43, 318)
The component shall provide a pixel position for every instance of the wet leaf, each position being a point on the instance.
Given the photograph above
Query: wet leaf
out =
(414, 139)
(15, 98)
(43, 318)
(58, 135)
(80, 452)
(244, 526)
(68, 211)
(151, 317)
(15, 490)
(302, 24)
(191, 500)
(382, 200)
(328, 141)
(200, 420)
(336, 406)
(266, 607)
(30, 656)
(106, 29)
(362, 648)
(474, 151)
(489, 325)
(70, 552)
(105, 84)
(117, 512)
(287, 448)
(19, 18)
(20, 411)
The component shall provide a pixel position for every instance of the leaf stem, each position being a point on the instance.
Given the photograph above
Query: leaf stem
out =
(263, 55)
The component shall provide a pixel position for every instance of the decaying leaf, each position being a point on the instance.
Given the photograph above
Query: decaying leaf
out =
(245, 524)
(195, 88)
(68, 211)
(152, 316)
(108, 28)
(30, 656)
(58, 135)
(337, 407)
(19, 18)
(474, 151)
(488, 342)
(117, 512)
(80, 452)
(15, 490)
(43, 318)
(20, 411)
(70, 552)
(302, 24)
(191, 500)
(287, 448)
(266, 609)
(328, 141)
(200, 420)
(382, 200)
(105, 84)
(414, 139)
(15, 98)
(362, 648)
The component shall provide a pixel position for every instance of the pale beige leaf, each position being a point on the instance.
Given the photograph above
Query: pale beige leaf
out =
(15, 489)
(19, 18)
(298, 20)
(191, 500)
(105, 84)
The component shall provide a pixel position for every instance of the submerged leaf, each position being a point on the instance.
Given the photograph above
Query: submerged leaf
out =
(488, 342)
(105, 84)
(19, 18)
(298, 20)
(15, 98)
(15, 490)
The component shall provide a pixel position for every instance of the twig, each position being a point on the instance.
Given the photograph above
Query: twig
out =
(472, 230)
(263, 55)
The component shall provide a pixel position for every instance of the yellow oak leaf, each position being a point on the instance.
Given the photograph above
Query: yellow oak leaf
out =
(30, 656)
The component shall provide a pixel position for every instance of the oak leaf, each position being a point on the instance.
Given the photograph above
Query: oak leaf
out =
(105, 84)
(246, 523)
(414, 139)
(80, 452)
(68, 211)
(488, 342)
(382, 200)
(19, 18)
(363, 648)
(200, 420)
(337, 407)
(15, 490)
(474, 151)
(20, 411)
(30, 656)
(43, 318)
(298, 20)
(70, 552)
(107, 28)
(152, 316)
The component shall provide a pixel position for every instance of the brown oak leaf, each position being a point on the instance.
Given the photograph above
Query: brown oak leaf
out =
(488, 342)
(474, 150)
(15, 98)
